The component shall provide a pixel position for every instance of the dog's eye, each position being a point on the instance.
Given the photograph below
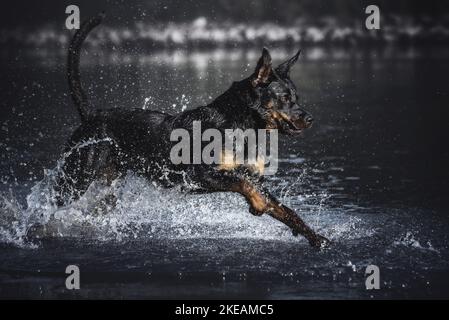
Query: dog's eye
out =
(285, 99)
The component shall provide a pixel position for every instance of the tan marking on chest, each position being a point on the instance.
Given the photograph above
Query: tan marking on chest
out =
(228, 163)
(259, 166)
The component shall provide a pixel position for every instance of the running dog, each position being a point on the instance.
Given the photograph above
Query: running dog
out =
(111, 142)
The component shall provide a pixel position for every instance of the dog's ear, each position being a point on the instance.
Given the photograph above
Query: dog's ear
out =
(263, 69)
(284, 68)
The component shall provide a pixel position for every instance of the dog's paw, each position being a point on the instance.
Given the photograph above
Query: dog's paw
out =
(319, 242)
(255, 212)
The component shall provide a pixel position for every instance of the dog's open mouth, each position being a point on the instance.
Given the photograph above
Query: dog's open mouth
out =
(290, 127)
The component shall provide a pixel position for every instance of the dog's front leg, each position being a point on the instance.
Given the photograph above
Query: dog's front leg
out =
(261, 201)
(290, 218)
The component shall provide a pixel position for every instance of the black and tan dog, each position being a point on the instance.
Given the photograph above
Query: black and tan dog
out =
(110, 143)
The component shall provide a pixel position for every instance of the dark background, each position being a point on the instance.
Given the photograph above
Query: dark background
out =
(32, 13)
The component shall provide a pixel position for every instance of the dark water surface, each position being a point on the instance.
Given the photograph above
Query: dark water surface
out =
(371, 175)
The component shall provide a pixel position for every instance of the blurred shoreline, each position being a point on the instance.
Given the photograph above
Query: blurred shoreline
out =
(204, 34)
(200, 58)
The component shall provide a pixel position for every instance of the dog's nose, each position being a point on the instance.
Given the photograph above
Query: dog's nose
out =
(308, 119)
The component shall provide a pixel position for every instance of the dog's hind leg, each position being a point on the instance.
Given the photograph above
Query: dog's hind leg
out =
(84, 163)
(261, 201)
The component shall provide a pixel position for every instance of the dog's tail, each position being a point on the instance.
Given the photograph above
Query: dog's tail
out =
(73, 62)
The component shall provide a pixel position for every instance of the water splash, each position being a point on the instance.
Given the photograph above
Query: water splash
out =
(410, 240)
(132, 207)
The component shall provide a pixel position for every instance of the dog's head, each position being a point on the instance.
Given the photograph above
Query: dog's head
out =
(278, 97)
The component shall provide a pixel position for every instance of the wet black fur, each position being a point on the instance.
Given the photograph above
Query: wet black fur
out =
(111, 142)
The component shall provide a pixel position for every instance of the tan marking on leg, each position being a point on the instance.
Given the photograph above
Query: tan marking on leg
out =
(258, 202)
